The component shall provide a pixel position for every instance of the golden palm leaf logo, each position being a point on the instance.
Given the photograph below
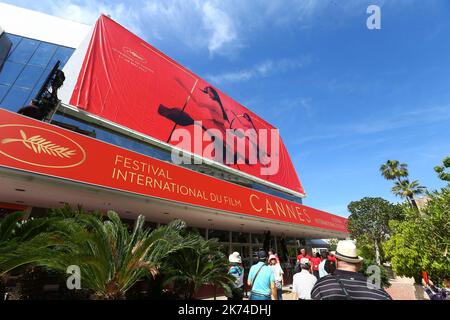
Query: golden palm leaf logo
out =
(41, 145)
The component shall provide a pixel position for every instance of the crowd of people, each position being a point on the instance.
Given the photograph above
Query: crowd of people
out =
(325, 276)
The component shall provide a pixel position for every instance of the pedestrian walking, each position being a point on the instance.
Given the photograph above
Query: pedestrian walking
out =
(315, 261)
(303, 281)
(302, 254)
(278, 272)
(272, 252)
(434, 292)
(261, 279)
(346, 283)
(322, 271)
(237, 271)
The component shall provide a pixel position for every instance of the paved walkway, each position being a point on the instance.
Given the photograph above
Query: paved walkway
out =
(287, 295)
(401, 289)
(405, 289)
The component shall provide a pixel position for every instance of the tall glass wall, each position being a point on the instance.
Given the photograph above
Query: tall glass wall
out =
(27, 65)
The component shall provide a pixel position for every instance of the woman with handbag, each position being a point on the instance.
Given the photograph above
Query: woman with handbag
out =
(278, 272)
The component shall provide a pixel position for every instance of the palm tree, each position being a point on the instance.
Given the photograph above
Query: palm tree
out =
(408, 190)
(441, 170)
(15, 230)
(110, 258)
(194, 268)
(394, 170)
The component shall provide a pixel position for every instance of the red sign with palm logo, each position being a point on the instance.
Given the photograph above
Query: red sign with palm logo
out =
(39, 146)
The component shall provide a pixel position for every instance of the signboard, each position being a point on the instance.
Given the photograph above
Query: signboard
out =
(37, 147)
(126, 81)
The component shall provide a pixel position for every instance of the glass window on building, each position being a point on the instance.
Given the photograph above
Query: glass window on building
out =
(291, 241)
(24, 51)
(117, 139)
(258, 239)
(222, 235)
(15, 98)
(244, 250)
(240, 237)
(3, 91)
(10, 71)
(43, 54)
(39, 83)
(14, 41)
(29, 77)
(62, 54)
(27, 65)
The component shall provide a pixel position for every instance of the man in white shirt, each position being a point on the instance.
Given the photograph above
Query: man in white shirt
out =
(303, 282)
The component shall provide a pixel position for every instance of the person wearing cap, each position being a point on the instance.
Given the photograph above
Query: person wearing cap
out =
(303, 282)
(271, 252)
(302, 254)
(237, 271)
(261, 279)
(278, 272)
(346, 283)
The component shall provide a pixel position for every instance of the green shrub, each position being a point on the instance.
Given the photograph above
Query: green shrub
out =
(384, 275)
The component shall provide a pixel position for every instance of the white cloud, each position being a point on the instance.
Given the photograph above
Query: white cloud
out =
(195, 24)
(261, 70)
(87, 11)
(220, 27)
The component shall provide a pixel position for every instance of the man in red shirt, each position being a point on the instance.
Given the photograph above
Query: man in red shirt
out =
(331, 257)
(302, 255)
(315, 261)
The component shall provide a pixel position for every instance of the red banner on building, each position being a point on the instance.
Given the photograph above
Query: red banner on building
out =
(125, 80)
(33, 146)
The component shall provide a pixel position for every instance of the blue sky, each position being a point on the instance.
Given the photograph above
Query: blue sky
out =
(345, 98)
